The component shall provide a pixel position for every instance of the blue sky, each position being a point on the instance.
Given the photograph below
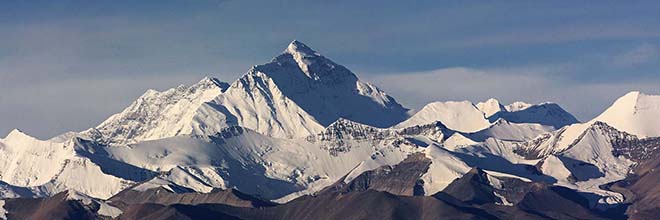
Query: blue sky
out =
(67, 65)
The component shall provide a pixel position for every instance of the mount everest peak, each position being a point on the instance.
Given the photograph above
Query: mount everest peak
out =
(318, 85)
(297, 94)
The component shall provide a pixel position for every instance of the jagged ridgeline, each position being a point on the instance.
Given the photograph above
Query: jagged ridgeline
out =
(302, 137)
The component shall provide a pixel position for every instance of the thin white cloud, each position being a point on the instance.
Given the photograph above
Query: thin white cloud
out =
(558, 34)
(639, 55)
(459, 83)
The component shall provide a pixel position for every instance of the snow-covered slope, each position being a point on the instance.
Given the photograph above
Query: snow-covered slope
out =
(249, 161)
(490, 107)
(467, 117)
(300, 91)
(459, 116)
(636, 113)
(548, 114)
(590, 162)
(458, 140)
(595, 148)
(275, 168)
(505, 130)
(158, 115)
(297, 94)
(41, 168)
(553, 142)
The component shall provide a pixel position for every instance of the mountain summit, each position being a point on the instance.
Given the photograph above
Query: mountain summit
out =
(156, 115)
(330, 91)
(314, 65)
(296, 94)
(300, 92)
(636, 113)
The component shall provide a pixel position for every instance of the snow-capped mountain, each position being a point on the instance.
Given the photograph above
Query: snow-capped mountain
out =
(459, 116)
(34, 167)
(464, 116)
(632, 113)
(302, 123)
(300, 92)
(589, 155)
(505, 130)
(156, 115)
(635, 113)
(490, 107)
(548, 114)
(297, 94)
(590, 162)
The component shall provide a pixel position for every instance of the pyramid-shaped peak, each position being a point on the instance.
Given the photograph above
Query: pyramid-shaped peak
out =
(632, 100)
(209, 79)
(633, 94)
(209, 82)
(297, 47)
(19, 136)
(636, 99)
(490, 107)
(492, 101)
(300, 63)
(17, 133)
(635, 113)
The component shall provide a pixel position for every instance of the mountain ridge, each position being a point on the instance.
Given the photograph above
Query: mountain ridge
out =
(293, 127)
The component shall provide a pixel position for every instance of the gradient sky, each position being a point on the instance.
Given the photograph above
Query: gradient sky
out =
(68, 65)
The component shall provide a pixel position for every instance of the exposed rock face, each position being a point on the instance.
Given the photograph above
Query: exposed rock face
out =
(623, 143)
(359, 199)
(646, 203)
(474, 188)
(57, 207)
(558, 203)
(476, 195)
(151, 211)
(165, 197)
(542, 200)
(641, 188)
(377, 205)
(400, 179)
(436, 131)
(336, 136)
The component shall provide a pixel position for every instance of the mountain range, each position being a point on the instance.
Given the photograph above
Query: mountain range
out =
(302, 137)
